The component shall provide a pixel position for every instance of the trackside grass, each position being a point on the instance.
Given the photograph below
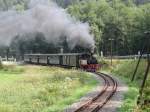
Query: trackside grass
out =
(124, 69)
(41, 89)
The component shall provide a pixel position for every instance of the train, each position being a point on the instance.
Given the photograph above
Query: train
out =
(85, 61)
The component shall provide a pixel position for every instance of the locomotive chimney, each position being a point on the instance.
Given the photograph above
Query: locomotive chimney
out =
(92, 50)
(61, 50)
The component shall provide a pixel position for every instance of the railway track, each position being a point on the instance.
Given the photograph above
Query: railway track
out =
(97, 103)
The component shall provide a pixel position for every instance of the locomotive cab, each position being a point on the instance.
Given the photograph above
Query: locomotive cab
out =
(89, 63)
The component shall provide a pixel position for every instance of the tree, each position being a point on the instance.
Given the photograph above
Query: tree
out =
(118, 19)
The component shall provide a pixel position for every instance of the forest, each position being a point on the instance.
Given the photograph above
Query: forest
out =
(122, 21)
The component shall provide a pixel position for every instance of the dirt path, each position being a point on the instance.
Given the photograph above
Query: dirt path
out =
(117, 100)
(112, 106)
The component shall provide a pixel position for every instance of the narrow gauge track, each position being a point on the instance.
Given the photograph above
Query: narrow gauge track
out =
(97, 103)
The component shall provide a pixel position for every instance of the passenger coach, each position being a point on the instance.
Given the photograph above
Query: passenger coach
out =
(80, 60)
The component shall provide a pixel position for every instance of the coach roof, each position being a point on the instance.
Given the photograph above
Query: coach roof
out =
(59, 54)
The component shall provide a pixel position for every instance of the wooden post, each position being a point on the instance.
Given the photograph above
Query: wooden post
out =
(146, 42)
(146, 75)
(133, 76)
(111, 48)
(7, 53)
(147, 68)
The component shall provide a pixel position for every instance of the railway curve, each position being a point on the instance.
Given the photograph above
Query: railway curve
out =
(96, 104)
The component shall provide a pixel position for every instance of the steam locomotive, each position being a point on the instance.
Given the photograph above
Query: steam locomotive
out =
(79, 60)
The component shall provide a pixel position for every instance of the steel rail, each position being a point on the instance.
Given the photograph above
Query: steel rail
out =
(98, 105)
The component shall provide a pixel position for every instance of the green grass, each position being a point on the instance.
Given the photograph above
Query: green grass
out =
(11, 69)
(41, 89)
(124, 69)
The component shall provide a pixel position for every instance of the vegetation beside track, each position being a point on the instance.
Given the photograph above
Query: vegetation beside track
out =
(124, 69)
(41, 89)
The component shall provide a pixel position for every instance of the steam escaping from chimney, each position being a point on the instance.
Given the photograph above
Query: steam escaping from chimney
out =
(47, 18)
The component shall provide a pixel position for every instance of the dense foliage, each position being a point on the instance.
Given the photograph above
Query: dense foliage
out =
(22, 4)
(125, 22)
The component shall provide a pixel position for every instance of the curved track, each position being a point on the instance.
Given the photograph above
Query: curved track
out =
(97, 103)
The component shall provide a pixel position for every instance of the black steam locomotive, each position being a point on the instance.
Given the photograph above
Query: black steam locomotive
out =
(80, 60)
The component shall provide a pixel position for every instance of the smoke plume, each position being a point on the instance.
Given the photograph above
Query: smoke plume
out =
(47, 18)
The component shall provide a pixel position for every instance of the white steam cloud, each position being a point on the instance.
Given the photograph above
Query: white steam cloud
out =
(47, 18)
